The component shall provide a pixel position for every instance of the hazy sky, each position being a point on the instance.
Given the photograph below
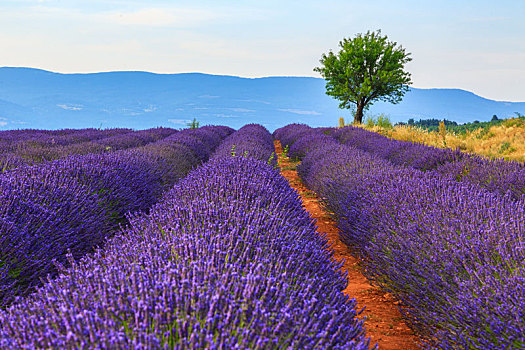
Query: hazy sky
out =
(475, 45)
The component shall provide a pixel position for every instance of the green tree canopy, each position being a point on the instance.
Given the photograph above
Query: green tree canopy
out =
(368, 68)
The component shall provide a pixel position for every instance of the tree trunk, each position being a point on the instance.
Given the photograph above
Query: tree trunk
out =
(358, 118)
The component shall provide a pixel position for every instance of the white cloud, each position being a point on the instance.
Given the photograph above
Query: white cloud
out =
(70, 107)
(5, 121)
(241, 110)
(226, 116)
(299, 111)
(179, 121)
(254, 101)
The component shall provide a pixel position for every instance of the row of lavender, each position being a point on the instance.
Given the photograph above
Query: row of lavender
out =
(228, 260)
(252, 141)
(451, 252)
(494, 174)
(24, 147)
(74, 204)
(13, 139)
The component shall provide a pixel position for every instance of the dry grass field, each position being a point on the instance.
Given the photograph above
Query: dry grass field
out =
(506, 140)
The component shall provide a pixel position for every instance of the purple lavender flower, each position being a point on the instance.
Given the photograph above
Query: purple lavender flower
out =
(229, 259)
(451, 252)
(74, 204)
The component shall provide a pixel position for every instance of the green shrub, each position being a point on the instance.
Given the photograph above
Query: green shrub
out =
(384, 122)
(370, 121)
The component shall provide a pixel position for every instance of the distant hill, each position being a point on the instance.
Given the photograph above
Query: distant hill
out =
(32, 98)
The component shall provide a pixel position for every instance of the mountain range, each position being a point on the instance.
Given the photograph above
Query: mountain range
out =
(33, 98)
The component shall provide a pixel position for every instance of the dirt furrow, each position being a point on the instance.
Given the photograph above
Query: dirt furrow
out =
(384, 323)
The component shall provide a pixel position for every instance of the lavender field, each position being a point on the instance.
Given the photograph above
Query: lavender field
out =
(179, 239)
(442, 231)
(191, 239)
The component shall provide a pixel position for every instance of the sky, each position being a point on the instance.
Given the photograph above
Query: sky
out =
(473, 45)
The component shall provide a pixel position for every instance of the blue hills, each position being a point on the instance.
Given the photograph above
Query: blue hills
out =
(33, 98)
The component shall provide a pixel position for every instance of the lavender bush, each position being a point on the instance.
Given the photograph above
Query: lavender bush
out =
(43, 145)
(228, 260)
(252, 140)
(74, 204)
(496, 175)
(290, 133)
(20, 140)
(451, 252)
(11, 140)
(398, 152)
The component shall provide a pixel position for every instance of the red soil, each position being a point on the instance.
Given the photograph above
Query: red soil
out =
(384, 323)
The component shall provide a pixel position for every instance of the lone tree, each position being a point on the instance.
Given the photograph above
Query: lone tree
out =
(368, 68)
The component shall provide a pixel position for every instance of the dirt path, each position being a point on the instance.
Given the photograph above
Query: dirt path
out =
(383, 321)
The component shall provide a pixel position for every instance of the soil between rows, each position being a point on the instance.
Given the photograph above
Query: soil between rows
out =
(384, 324)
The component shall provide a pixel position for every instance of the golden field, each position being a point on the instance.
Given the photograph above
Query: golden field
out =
(506, 140)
